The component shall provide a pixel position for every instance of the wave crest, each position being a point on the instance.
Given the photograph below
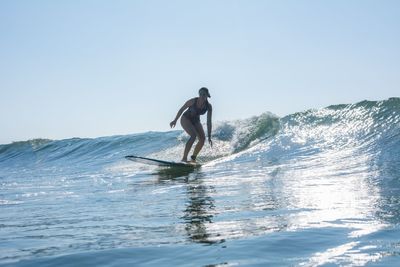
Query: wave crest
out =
(370, 125)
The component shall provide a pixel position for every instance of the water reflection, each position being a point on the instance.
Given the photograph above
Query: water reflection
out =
(199, 210)
(199, 206)
(165, 174)
(325, 192)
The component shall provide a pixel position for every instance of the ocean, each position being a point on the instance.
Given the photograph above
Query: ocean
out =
(316, 188)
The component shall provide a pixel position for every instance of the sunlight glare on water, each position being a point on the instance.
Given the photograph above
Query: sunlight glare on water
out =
(315, 188)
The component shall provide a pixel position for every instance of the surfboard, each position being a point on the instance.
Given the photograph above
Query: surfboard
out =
(162, 163)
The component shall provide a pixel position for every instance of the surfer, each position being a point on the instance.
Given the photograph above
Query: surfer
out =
(190, 122)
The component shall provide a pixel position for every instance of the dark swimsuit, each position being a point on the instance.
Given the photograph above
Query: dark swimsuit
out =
(193, 113)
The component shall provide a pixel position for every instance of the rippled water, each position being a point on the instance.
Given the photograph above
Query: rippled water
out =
(318, 188)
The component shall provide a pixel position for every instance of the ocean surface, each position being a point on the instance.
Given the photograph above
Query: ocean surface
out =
(315, 188)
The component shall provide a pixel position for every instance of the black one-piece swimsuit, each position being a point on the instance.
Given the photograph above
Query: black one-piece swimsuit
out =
(193, 113)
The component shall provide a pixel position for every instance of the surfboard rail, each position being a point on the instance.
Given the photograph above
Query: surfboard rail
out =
(161, 163)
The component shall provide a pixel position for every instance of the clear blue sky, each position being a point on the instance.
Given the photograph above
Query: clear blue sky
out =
(93, 68)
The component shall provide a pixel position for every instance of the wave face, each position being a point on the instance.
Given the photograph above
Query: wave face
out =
(316, 187)
(370, 125)
(231, 137)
